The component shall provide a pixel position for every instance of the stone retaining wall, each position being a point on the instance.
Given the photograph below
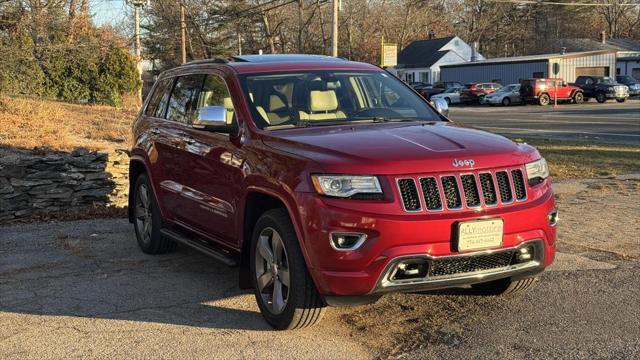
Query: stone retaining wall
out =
(44, 182)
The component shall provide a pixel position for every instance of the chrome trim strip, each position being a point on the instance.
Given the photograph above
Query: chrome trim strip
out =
(533, 266)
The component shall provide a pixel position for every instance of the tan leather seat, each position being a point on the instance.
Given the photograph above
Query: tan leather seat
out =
(228, 106)
(323, 105)
(277, 111)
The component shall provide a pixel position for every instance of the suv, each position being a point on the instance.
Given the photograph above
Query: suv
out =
(632, 84)
(602, 88)
(330, 182)
(473, 93)
(544, 91)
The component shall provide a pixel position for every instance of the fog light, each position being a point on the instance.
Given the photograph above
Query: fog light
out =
(410, 269)
(524, 254)
(553, 218)
(347, 241)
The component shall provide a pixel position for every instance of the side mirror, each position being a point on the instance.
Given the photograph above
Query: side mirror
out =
(442, 106)
(212, 118)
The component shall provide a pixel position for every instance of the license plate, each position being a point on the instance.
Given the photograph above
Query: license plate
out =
(480, 234)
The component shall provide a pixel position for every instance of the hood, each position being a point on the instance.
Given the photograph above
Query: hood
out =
(399, 148)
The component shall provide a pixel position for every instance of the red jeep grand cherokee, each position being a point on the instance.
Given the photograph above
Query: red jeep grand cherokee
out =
(330, 182)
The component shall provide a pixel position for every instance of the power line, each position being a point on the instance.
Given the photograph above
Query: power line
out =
(556, 3)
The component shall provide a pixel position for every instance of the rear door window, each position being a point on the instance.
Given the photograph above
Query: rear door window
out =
(184, 98)
(158, 101)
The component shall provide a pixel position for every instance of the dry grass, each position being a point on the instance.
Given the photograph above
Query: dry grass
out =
(29, 123)
(570, 160)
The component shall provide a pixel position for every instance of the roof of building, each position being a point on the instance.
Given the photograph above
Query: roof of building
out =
(423, 53)
(582, 44)
(529, 58)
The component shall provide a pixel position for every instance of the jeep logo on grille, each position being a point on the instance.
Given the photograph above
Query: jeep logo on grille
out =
(468, 162)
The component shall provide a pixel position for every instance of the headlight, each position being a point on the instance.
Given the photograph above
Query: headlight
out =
(346, 185)
(537, 171)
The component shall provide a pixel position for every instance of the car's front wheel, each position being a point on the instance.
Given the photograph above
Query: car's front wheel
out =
(503, 286)
(284, 290)
(578, 98)
(147, 220)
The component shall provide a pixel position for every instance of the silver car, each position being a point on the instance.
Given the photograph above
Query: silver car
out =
(506, 96)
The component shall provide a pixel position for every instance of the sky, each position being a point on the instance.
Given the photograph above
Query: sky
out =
(107, 12)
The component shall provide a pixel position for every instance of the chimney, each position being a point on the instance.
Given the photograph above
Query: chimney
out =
(430, 35)
(603, 36)
(563, 50)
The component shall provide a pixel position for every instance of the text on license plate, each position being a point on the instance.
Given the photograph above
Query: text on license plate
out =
(480, 234)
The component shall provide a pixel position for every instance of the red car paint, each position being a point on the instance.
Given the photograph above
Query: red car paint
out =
(203, 181)
(532, 90)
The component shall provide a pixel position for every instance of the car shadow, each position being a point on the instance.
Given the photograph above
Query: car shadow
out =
(94, 269)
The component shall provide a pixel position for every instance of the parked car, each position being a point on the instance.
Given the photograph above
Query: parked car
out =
(450, 96)
(506, 96)
(419, 85)
(602, 88)
(472, 93)
(438, 88)
(632, 84)
(330, 182)
(545, 91)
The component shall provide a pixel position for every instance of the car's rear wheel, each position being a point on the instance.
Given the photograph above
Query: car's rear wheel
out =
(601, 97)
(578, 98)
(544, 100)
(284, 290)
(506, 101)
(147, 220)
(503, 286)
(621, 100)
(447, 100)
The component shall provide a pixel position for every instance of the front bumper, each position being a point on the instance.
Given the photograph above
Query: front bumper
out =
(392, 237)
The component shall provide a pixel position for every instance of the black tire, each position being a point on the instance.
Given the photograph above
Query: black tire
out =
(304, 305)
(448, 101)
(578, 97)
(503, 286)
(506, 101)
(151, 242)
(621, 100)
(601, 97)
(544, 100)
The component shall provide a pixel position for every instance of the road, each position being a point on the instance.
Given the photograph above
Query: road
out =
(82, 289)
(608, 123)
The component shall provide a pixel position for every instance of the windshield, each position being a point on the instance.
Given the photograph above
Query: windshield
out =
(626, 79)
(508, 88)
(606, 80)
(317, 98)
(451, 90)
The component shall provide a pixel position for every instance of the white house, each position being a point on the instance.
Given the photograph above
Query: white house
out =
(421, 60)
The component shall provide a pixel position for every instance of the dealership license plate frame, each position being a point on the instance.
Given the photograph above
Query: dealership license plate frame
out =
(483, 240)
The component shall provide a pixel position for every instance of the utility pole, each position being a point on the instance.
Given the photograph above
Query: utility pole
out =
(137, 4)
(183, 35)
(334, 30)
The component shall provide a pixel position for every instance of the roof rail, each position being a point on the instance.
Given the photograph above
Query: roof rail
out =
(208, 61)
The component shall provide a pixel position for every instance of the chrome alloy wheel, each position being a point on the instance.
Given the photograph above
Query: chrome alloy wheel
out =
(143, 215)
(272, 270)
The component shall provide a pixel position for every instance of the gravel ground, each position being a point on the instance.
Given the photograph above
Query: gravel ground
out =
(83, 289)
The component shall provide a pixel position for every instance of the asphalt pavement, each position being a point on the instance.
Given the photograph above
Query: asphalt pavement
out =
(611, 122)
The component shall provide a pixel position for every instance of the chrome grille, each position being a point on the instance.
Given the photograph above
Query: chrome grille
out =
(488, 189)
(518, 184)
(409, 194)
(504, 186)
(471, 195)
(451, 192)
(470, 190)
(470, 264)
(431, 193)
